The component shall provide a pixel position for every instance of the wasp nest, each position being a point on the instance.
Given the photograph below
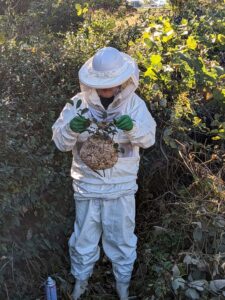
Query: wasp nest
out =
(99, 152)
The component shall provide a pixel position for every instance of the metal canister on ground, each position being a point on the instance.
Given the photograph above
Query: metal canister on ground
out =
(50, 289)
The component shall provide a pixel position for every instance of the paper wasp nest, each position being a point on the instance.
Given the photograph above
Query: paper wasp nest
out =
(99, 152)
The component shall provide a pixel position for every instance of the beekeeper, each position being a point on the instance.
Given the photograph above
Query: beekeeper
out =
(105, 205)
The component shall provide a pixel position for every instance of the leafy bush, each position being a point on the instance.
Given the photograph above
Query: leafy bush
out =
(34, 83)
(38, 75)
(183, 81)
(99, 30)
(180, 209)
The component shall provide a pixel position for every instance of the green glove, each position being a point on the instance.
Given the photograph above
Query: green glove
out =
(79, 124)
(124, 123)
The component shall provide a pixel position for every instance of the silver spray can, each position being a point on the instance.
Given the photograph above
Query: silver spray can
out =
(50, 289)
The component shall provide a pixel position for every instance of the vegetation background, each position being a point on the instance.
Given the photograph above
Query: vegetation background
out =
(180, 203)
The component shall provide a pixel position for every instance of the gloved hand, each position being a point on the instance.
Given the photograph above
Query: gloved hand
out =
(79, 124)
(124, 123)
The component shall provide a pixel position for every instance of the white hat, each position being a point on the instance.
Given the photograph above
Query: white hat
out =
(107, 68)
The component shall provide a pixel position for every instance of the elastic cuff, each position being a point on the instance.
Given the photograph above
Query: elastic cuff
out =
(80, 276)
(133, 131)
(123, 279)
(121, 274)
(70, 132)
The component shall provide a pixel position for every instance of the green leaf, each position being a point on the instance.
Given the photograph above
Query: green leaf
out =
(70, 102)
(78, 6)
(85, 10)
(167, 26)
(150, 73)
(2, 38)
(169, 35)
(220, 70)
(199, 285)
(148, 42)
(197, 121)
(197, 234)
(216, 138)
(176, 271)
(167, 132)
(78, 103)
(192, 294)
(156, 59)
(172, 144)
(217, 285)
(83, 111)
(219, 95)
(221, 38)
(191, 43)
(184, 21)
(79, 9)
(145, 35)
(178, 283)
(58, 3)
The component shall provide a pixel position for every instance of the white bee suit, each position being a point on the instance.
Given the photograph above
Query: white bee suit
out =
(105, 203)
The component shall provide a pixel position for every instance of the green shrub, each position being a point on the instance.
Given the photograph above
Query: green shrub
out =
(38, 75)
(182, 79)
(183, 83)
(179, 209)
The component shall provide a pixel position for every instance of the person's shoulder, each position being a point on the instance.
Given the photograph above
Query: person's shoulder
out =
(136, 100)
(77, 97)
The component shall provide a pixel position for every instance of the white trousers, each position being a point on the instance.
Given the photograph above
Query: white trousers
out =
(114, 221)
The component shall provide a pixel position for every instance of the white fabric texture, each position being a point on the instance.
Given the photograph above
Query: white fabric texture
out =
(121, 179)
(115, 221)
(105, 203)
(122, 290)
(79, 289)
(107, 68)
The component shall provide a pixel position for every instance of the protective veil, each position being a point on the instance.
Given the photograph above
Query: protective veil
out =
(105, 205)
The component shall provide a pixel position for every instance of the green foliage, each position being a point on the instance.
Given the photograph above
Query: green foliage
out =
(105, 4)
(195, 7)
(181, 78)
(38, 74)
(180, 209)
(98, 30)
(34, 86)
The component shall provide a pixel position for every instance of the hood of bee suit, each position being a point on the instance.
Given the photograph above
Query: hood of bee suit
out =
(109, 68)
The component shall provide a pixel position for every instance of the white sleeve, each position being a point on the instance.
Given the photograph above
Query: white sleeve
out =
(143, 132)
(63, 136)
